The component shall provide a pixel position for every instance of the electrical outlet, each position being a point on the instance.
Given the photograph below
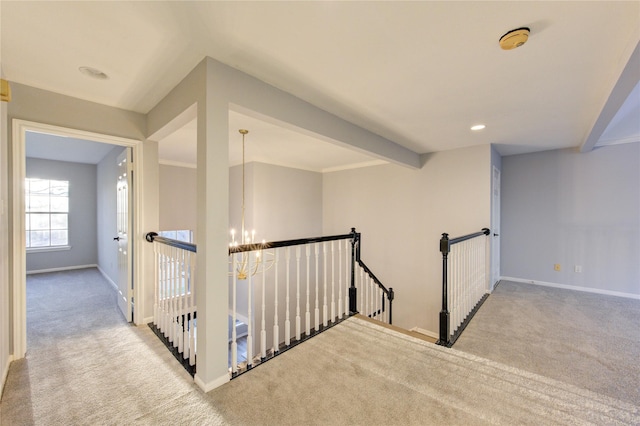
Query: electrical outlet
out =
(578, 268)
(556, 267)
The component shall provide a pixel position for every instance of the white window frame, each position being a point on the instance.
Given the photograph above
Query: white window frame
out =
(49, 212)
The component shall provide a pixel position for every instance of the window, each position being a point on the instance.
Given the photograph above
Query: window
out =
(47, 212)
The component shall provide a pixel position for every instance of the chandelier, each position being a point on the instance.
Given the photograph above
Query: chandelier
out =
(256, 260)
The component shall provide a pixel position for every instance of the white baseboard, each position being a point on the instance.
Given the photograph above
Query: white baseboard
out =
(5, 373)
(207, 387)
(64, 268)
(147, 320)
(425, 332)
(106, 277)
(573, 287)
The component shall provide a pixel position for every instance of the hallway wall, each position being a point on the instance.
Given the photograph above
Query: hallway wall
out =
(569, 208)
(402, 213)
(82, 214)
(178, 190)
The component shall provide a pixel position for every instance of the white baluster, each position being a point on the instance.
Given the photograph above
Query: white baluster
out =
(317, 310)
(162, 289)
(187, 305)
(165, 285)
(340, 280)
(324, 299)
(263, 325)
(234, 334)
(193, 325)
(156, 280)
(287, 322)
(298, 293)
(347, 280)
(249, 311)
(174, 285)
(307, 314)
(181, 306)
(333, 284)
(276, 326)
(362, 292)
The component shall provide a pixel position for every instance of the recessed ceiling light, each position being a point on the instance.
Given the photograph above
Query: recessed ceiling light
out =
(93, 73)
(478, 127)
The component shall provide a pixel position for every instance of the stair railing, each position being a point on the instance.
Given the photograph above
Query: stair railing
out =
(300, 288)
(312, 284)
(174, 304)
(467, 286)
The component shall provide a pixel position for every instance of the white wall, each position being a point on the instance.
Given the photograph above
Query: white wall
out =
(402, 213)
(569, 208)
(178, 191)
(82, 214)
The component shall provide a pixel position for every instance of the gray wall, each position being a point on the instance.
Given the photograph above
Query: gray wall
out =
(82, 214)
(178, 191)
(107, 176)
(573, 209)
(281, 203)
(402, 214)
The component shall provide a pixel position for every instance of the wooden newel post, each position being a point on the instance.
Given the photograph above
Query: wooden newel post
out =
(444, 313)
(353, 300)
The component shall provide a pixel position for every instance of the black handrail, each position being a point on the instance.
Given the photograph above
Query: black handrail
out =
(445, 247)
(285, 243)
(355, 257)
(154, 237)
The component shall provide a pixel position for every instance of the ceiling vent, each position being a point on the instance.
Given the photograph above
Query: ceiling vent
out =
(514, 38)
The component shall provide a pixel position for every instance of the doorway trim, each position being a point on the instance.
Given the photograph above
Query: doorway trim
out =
(17, 220)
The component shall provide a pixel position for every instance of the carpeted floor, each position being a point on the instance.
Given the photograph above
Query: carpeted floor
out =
(588, 340)
(92, 368)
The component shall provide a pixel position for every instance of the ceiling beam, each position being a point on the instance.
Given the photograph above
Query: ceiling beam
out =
(625, 85)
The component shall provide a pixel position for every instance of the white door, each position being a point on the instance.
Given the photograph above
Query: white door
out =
(123, 223)
(495, 228)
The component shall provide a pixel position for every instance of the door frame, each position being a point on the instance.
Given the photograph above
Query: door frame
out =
(17, 220)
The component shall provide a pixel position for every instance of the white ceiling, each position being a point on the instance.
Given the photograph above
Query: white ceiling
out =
(261, 143)
(417, 73)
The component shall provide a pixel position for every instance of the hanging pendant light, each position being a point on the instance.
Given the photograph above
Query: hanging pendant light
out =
(256, 260)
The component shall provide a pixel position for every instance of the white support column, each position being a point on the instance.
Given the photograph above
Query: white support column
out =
(212, 227)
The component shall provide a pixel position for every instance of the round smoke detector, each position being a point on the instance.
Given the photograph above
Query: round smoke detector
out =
(514, 38)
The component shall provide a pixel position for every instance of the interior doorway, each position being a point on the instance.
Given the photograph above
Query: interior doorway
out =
(21, 129)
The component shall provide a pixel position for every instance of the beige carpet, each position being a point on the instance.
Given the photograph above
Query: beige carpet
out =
(589, 340)
(355, 373)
